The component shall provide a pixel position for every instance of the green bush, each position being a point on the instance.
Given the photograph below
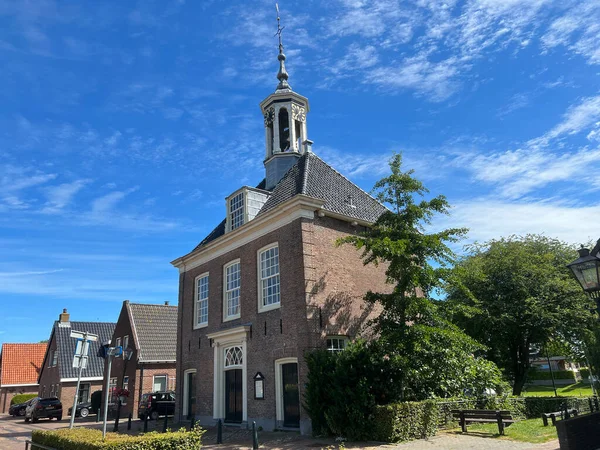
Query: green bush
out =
(405, 421)
(89, 439)
(546, 375)
(585, 373)
(21, 398)
(535, 406)
(445, 407)
(516, 405)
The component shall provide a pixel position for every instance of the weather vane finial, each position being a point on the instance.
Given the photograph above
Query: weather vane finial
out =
(282, 75)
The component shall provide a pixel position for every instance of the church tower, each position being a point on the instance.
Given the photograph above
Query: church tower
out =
(285, 113)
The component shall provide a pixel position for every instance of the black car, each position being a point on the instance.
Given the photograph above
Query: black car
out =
(41, 408)
(82, 409)
(157, 404)
(18, 409)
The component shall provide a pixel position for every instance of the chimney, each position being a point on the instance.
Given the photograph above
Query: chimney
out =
(63, 319)
(167, 303)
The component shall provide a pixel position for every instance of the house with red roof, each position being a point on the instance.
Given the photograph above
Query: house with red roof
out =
(20, 365)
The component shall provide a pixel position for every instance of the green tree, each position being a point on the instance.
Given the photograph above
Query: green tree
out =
(429, 356)
(514, 293)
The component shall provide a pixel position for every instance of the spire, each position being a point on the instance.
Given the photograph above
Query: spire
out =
(282, 75)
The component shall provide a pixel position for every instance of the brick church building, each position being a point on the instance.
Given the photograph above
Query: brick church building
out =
(268, 284)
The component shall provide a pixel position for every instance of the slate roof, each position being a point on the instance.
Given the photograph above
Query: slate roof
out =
(155, 328)
(65, 345)
(21, 363)
(315, 178)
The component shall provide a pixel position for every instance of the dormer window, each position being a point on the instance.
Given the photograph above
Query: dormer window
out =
(243, 206)
(236, 210)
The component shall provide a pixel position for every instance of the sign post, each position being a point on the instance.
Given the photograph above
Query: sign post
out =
(80, 362)
(109, 353)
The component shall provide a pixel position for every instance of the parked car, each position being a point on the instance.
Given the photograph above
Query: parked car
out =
(156, 404)
(82, 409)
(18, 409)
(41, 408)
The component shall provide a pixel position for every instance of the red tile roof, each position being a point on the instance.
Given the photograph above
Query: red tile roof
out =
(21, 363)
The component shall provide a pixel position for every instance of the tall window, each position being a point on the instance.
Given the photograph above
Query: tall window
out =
(118, 343)
(125, 386)
(232, 290)
(112, 390)
(269, 290)
(84, 393)
(236, 211)
(202, 300)
(125, 342)
(53, 358)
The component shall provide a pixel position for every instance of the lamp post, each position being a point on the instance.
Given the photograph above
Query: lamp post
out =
(127, 354)
(586, 269)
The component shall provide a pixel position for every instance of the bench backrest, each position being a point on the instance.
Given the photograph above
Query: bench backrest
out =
(481, 413)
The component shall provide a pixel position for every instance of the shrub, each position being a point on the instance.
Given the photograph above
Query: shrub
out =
(535, 406)
(89, 439)
(321, 365)
(21, 398)
(585, 373)
(405, 421)
(546, 375)
(445, 407)
(516, 405)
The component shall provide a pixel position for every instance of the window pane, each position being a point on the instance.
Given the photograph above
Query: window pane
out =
(236, 211)
(233, 282)
(269, 276)
(202, 300)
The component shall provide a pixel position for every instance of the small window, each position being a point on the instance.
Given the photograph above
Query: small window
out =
(201, 301)
(232, 291)
(112, 389)
(236, 211)
(159, 383)
(125, 342)
(118, 343)
(336, 343)
(268, 276)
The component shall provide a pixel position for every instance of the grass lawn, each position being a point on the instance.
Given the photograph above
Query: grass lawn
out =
(530, 430)
(581, 389)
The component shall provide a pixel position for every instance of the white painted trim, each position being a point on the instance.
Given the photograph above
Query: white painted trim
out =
(299, 206)
(279, 385)
(262, 308)
(17, 385)
(68, 380)
(227, 318)
(222, 340)
(156, 361)
(196, 324)
(186, 390)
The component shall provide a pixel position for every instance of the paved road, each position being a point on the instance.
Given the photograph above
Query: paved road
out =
(14, 432)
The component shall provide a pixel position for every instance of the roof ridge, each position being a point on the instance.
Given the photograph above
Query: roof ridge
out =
(348, 180)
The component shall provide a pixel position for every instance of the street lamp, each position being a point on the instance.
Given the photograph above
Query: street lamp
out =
(586, 269)
(127, 354)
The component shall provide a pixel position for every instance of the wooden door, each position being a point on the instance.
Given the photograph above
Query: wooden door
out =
(233, 395)
(291, 395)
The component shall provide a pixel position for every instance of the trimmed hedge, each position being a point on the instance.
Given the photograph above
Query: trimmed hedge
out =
(405, 421)
(535, 406)
(546, 375)
(89, 439)
(585, 373)
(21, 398)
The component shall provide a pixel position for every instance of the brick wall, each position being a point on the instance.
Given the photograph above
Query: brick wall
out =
(67, 392)
(315, 276)
(7, 394)
(49, 375)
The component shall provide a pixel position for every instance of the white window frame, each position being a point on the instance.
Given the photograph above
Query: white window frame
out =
(230, 212)
(118, 342)
(227, 317)
(261, 306)
(112, 386)
(166, 377)
(125, 341)
(338, 338)
(197, 300)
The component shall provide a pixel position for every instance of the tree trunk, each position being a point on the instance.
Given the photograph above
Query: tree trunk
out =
(521, 364)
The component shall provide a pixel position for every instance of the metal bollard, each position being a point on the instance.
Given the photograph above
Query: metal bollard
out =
(219, 432)
(165, 424)
(596, 404)
(98, 415)
(146, 416)
(129, 421)
(591, 405)
(192, 422)
(254, 436)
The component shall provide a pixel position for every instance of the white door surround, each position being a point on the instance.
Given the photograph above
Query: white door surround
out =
(279, 387)
(223, 340)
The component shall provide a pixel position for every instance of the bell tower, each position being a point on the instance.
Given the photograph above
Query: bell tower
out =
(285, 113)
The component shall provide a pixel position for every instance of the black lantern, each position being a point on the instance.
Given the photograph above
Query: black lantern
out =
(259, 386)
(586, 269)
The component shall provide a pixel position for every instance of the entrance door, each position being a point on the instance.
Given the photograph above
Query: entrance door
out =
(291, 396)
(233, 395)
(191, 394)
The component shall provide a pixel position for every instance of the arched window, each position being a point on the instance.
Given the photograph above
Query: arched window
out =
(233, 357)
(284, 130)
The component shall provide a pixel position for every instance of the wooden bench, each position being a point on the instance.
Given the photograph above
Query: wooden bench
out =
(561, 414)
(466, 416)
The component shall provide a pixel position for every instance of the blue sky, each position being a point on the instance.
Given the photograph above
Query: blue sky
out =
(123, 126)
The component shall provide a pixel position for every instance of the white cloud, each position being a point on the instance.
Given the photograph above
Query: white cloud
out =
(489, 219)
(61, 196)
(107, 202)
